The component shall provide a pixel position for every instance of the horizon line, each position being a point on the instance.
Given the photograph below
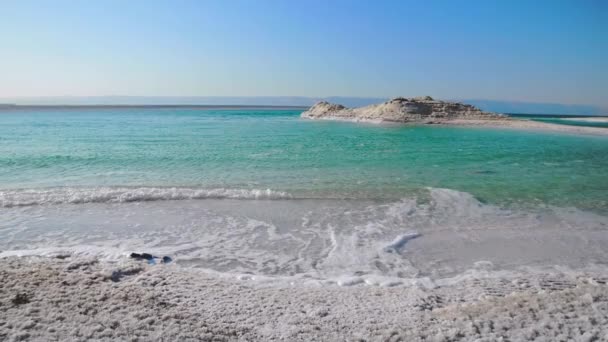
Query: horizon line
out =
(84, 97)
(4, 106)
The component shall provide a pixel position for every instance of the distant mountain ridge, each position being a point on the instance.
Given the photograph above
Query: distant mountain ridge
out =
(486, 105)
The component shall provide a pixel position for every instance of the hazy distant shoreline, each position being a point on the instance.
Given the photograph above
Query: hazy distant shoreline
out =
(496, 106)
(128, 106)
(12, 106)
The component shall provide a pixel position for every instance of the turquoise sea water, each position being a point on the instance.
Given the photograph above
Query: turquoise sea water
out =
(257, 192)
(275, 149)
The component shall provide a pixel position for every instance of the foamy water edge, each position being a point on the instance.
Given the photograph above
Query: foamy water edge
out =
(74, 195)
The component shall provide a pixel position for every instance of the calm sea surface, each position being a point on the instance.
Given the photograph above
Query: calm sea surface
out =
(275, 149)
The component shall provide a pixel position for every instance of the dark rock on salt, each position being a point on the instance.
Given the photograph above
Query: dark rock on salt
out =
(21, 298)
(142, 256)
(150, 258)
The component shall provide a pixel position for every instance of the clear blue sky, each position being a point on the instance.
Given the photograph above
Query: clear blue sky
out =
(551, 51)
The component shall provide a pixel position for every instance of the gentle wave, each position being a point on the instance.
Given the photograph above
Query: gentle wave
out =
(419, 239)
(30, 197)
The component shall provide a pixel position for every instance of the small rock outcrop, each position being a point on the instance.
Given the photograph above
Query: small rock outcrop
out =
(422, 109)
(323, 107)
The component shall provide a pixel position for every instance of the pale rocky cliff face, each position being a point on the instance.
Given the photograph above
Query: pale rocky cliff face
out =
(323, 108)
(417, 110)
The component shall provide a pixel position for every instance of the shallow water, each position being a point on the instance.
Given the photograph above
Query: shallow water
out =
(267, 193)
(341, 241)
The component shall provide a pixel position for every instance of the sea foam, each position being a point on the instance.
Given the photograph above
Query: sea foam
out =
(73, 195)
(416, 241)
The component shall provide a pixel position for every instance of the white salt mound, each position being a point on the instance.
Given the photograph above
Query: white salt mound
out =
(426, 110)
(418, 109)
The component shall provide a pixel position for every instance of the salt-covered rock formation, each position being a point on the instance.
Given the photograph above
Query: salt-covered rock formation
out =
(407, 110)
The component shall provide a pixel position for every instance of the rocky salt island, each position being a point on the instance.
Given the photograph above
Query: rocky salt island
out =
(423, 109)
(427, 110)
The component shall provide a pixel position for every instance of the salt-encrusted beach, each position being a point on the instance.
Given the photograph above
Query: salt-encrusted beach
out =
(74, 299)
(426, 110)
(278, 228)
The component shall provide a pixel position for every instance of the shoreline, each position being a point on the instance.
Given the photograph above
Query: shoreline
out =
(15, 107)
(425, 110)
(529, 125)
(76, 298)
(507, 123)
(600, 119)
